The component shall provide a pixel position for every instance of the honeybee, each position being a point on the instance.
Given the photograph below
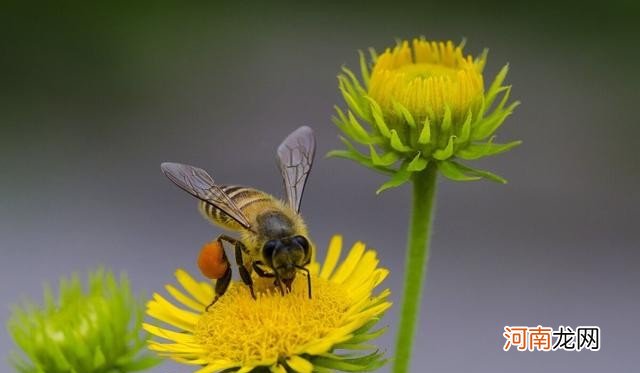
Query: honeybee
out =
(273, 236)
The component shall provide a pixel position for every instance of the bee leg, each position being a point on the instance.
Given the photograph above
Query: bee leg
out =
(308, 278)
(222, 284)
(261, 271)
(279, 285)
(244, 273)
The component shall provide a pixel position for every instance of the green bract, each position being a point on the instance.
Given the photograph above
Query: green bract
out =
(83, 331)
(419, 106)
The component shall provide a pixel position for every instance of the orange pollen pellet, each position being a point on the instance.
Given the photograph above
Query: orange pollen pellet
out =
(212, 261)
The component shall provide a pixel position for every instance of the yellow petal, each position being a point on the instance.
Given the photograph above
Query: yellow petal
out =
(168, 307)
(217, 366)
(207, 290)
(320, 347)
(361, 292)
(333, 254)
(380, 274)
(363, 270)
(190, 361)
(300, 365)
(176, 348)
(169, 334)
(278, 369)
(182, 298)
(170, 319)
(314, 268)
(373, 311)
(192, 286)
(349, 263)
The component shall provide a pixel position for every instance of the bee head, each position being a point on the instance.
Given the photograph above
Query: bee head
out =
(286, 256)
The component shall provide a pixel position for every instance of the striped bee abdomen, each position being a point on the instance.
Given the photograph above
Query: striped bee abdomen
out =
(246, 199)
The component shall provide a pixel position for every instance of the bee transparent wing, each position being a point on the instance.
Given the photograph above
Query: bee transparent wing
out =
(199, 184)
(295, 158)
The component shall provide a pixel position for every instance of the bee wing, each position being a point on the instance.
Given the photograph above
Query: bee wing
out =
(295, 158)
(199, 184)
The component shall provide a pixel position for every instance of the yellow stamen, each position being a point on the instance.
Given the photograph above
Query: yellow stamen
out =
(425, 78)
(276, 325)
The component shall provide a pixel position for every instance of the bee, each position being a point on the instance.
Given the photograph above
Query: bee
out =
(273, 236)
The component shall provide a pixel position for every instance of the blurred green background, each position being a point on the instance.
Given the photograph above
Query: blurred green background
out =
(94, 95)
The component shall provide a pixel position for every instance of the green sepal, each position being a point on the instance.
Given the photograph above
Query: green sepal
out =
(400, 177)
(342, 122)
(345, 366)
(373, 55)
(451, 171)
(446, 121)
(385, 160)
(364, 69)
(481, 109)
(355, 346)
(356, 88)
(481, 60)
(397, 144)
(481, 173)
(480, 150)
(447, 152)
(356, 157)
(402, 112)
(98, 358)
(487, 126)
(21, 366)
(358, 130)
(417, 163)
(355, 91)
(368, 362)
(364, 337)
(378, 118)
(459, 172)
(319, 369)
(425, 133)
(505, 97)
(355, 358)
(351, 102)
(465, 130)
(353, 154)
(496, 86)
(367, 326)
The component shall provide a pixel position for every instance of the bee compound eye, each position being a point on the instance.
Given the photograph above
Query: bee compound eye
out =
(302, 241)
(212, 261)
(269, 247)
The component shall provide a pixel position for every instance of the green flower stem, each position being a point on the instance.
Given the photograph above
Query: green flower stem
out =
(424, 190)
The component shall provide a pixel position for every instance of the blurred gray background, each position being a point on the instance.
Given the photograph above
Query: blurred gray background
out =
(94, 97)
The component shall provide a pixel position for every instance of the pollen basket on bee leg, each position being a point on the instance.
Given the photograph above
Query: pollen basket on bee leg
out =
(212, 260)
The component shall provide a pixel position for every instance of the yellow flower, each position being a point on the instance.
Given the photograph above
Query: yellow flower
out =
(275, 332)
(426, 78)
(422, 106)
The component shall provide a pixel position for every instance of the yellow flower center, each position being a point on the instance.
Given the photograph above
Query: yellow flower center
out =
(239, 328)
(281, 333)
(426, 78)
